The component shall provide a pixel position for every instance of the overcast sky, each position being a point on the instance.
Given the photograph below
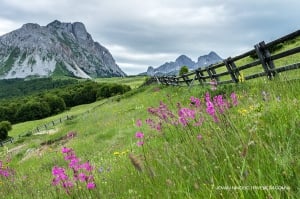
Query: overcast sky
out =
(149, 33)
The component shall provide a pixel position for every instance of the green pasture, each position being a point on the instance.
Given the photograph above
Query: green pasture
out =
(251, 152)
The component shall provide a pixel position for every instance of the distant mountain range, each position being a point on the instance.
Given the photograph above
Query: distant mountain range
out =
(173, 67)
(58, 49)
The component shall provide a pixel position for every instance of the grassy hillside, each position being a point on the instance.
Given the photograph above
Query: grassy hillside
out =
(281, 47)
(132, 81)
(244, 144)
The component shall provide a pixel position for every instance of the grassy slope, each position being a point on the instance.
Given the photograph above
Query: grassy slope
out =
(255, 144)
(181, 169)
(133, 82)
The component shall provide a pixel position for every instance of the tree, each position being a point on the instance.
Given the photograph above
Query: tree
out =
(183, 70)
(56, 104)
(5, 126)
(33, 110)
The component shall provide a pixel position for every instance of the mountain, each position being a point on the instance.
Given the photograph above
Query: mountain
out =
(173, 67)
(58, 49)
(206, 60)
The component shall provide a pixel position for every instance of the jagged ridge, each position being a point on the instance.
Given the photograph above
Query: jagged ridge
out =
(56, 49)
(172, 68)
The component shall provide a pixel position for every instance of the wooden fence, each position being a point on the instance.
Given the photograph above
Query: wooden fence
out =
(45, 126)
(6, 141)
(37, 129)
(49, 125)
(260, 55)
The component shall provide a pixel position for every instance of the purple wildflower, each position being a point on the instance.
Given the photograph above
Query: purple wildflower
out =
(199, 137)
(87, 166)
(195, 101)
(139, 135)
(234, 99)
(91, 185)
(138, 123)
(140, 143)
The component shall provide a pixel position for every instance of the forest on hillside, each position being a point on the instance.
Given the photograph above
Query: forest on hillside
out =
(22, 101)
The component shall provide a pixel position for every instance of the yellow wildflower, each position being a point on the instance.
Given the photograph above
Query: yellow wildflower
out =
(241, 77)
(243, 112)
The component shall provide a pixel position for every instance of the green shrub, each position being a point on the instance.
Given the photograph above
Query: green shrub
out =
(183, 70)
(5, 126)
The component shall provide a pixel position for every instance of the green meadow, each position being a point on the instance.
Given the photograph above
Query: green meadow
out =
(239, 141)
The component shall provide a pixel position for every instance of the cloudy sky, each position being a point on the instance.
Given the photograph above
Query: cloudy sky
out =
(149, 33)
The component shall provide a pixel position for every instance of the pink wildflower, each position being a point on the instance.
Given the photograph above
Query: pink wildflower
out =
(140, 143)
(213, 84)
(138, 123)
(82, 177)
(91, 185)
(234, 99)
(199, 137)
(195, 101)
(87, 166)
(139, 135)
(66, 150)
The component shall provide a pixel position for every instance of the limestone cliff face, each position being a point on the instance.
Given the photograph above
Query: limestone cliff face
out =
(58, 49)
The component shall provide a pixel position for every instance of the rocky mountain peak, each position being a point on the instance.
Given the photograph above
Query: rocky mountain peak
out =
(79, 30)
(206, 60)
(172, 68)
(184, 60)
(56, 49)
(31, 26)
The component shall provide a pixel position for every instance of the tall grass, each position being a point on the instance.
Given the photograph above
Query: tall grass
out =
(175, 149)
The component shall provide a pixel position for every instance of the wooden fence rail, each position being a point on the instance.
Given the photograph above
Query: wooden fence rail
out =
(45, 126)
(233, 72)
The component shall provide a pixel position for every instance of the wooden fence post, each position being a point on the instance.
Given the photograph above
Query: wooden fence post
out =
(232, 69)
(209, 73)
(199, 76)
(176, 80)
(214, 73)
(165, 80)
(264, 56)
(186, 79)
(157, 79)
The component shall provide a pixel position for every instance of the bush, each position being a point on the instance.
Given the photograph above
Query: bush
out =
(183, 70)
(5, 126)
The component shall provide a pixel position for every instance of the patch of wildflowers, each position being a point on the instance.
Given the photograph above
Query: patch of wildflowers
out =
(210, 109)
(80, 172)
(220, 103)
(140, 136)
(185, 114)
(5, 171)
(195, 101)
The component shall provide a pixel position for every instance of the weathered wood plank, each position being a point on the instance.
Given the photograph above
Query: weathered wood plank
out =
(285, 53)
